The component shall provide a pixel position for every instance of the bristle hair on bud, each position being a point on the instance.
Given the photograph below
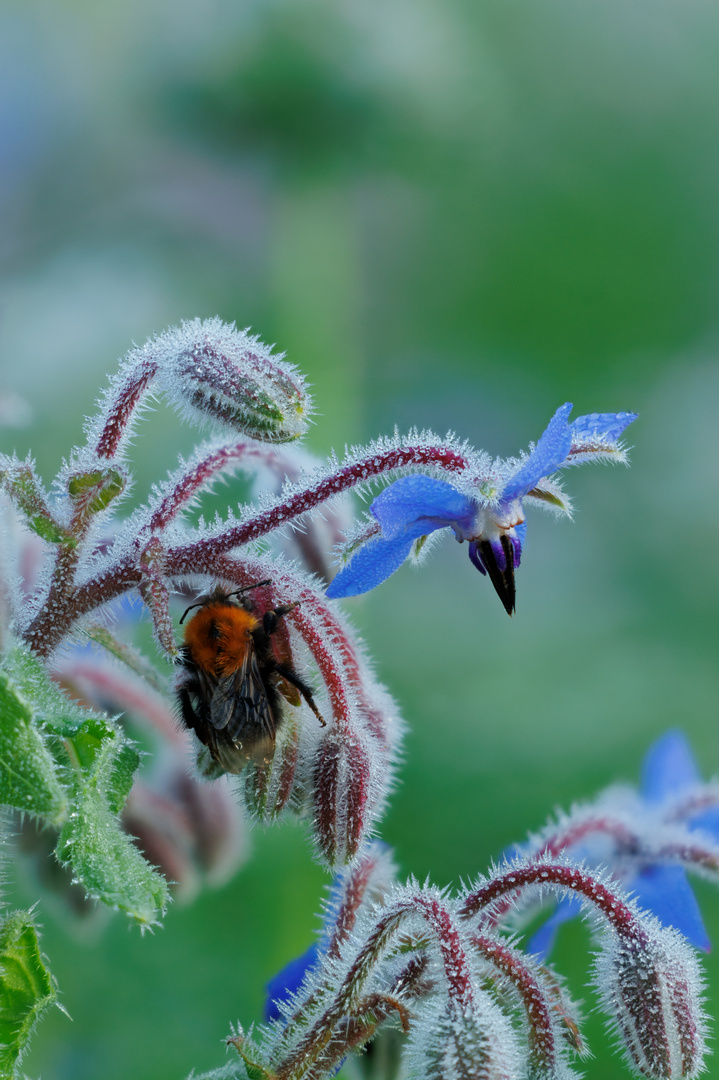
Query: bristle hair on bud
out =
(211, 371)
(478, 1043)
(652, 991)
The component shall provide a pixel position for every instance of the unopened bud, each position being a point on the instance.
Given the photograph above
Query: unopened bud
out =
(269, 784)
(213, 371)
(341, 796)
(651, 987)
(475, 1044)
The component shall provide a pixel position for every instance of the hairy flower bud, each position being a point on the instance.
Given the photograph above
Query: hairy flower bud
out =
(342, 796)
(477, 1043)
(650, 985)
(211, 370)
(269, 784)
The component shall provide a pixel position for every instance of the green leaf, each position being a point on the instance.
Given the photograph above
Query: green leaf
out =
(29, 779)
(92, 842)
(49, 530)
(95, 490)
(98, 764)
(26, 490)
(47, 703)
(27, 988)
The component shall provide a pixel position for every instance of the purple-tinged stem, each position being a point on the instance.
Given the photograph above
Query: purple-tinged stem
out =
(354, 891)
(511, 965)
(53, 623)
(566, 877)
(705, 797)
(202, 473)
(624, 837)
(121, 409)
(372, 467)
(454, 961)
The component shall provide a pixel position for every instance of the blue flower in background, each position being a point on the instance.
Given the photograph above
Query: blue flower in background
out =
(288, 981)
(668, 771)
(492, 523)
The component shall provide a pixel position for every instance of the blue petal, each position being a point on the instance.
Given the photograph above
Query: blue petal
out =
(520, 532)
(288, 981)
(417, 505)
(668, 768)
(370, 566)
(547, 456)
(707, 821)
(606, 426)
(542, 943)
(665, 891)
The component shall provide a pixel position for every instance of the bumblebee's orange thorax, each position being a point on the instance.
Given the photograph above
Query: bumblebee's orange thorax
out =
(219, 635)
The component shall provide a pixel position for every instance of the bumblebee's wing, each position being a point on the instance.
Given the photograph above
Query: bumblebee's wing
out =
(240, 707)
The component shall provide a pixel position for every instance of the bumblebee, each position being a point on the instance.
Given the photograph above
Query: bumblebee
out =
(229, 689)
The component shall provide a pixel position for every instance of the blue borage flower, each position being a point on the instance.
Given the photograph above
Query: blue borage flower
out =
(487, 512)
(285, 984)
(669, 777)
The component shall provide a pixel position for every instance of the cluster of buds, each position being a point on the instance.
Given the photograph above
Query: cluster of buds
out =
(450, 973)
(275, 686)
(336, 775)
(471, 1003)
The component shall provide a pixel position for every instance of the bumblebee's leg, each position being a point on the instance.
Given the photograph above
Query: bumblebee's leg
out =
(304, 689)
(189, 716)
(271, 618)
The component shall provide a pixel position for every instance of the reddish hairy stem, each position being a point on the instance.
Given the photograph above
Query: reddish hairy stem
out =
(122, 408)
(626, 839)
(206, 556)
(354, 891)
(201, 474)
(690, 855)
(355, 888)
(569, 877)
(511, 965)
(558, 843)
(345, 478)
(705, 799)
(454, 961)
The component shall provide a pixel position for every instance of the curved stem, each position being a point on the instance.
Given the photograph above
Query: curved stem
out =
(457, 971)
(569, 878)
(121, 409)
(365, 469)
(205, 556)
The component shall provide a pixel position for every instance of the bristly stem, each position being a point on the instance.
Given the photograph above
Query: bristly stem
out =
(571, 878)
(200, 473)
(121, 409)
(354, 892)
(204, 556)
(512, 966)
(457, 972)
(364, 470)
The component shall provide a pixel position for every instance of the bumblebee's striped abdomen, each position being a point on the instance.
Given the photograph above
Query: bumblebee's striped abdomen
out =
(218, 637)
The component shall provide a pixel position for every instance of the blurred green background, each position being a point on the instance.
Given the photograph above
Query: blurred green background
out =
(453, 214)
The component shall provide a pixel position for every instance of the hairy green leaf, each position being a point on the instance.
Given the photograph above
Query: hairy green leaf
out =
(27, 988)
(44, 699)
(92, 842)
(29, 779)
